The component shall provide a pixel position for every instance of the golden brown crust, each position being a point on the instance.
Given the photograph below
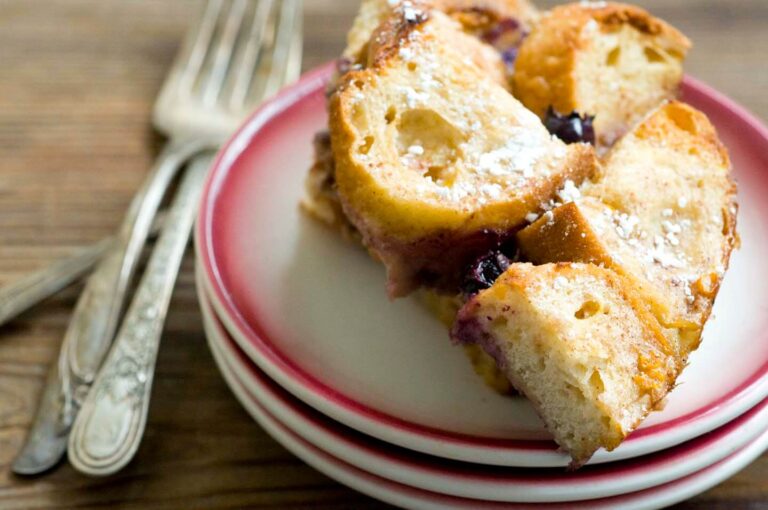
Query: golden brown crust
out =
(581, 164)
(688, 130)
(395, 30)
(523, 10)
(545, 62)
(649, 363)
(613, 15)
(544, 67)
(696, 166)
(562, 235)
(685, 129)
(475, 16)
(523, 276)
(546, 70)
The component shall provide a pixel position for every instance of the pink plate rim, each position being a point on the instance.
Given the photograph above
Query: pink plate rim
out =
(407, 496)
(480, 481)
(279, 364)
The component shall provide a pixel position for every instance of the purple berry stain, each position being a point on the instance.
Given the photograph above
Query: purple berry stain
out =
(506, 36)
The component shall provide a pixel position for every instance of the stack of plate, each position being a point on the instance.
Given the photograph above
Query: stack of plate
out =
(372, 393)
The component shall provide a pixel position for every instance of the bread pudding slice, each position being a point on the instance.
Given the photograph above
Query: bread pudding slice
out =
(663, 214)
(609, 60)
(579, 343)
(435, 162)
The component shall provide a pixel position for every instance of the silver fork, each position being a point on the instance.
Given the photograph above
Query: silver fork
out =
(243, 51)
(238, 53)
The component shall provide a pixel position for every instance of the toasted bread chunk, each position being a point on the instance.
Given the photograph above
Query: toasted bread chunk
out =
(387, 40)
(579, 343)
(662, 214)
(611, 60)
(490, 20)
(435, 162)
(369, 16)
(499, 24)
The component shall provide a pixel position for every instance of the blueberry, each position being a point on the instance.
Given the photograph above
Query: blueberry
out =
(508, 57)
(571, 128)
(484, 271)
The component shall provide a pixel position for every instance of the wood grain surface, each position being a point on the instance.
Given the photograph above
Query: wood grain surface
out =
(77, 82)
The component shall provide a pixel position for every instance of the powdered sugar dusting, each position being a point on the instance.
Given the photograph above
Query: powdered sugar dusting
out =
(569, 192)
(661, 255)
(520, 155)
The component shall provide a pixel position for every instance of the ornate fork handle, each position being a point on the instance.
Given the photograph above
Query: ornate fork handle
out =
(98, 309)
(94, 320)
(108, 429)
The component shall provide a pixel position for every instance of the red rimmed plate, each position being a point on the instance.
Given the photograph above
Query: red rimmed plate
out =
(411, 497)
(467, 480)
(311, 311)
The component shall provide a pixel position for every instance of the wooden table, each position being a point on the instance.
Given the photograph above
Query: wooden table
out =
(78, 80)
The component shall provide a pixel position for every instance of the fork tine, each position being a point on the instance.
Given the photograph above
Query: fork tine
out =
(293, 66)
(196, 45)
(255, 42)
(284, 47)
(222, 56)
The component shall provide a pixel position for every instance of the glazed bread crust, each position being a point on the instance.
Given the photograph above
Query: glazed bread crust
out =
(611, 60)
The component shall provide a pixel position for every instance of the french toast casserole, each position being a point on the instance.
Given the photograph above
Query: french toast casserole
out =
(534, 177)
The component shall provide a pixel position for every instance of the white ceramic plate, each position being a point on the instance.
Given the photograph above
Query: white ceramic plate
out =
(473, 480)
(311, 310)
(410, 497)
